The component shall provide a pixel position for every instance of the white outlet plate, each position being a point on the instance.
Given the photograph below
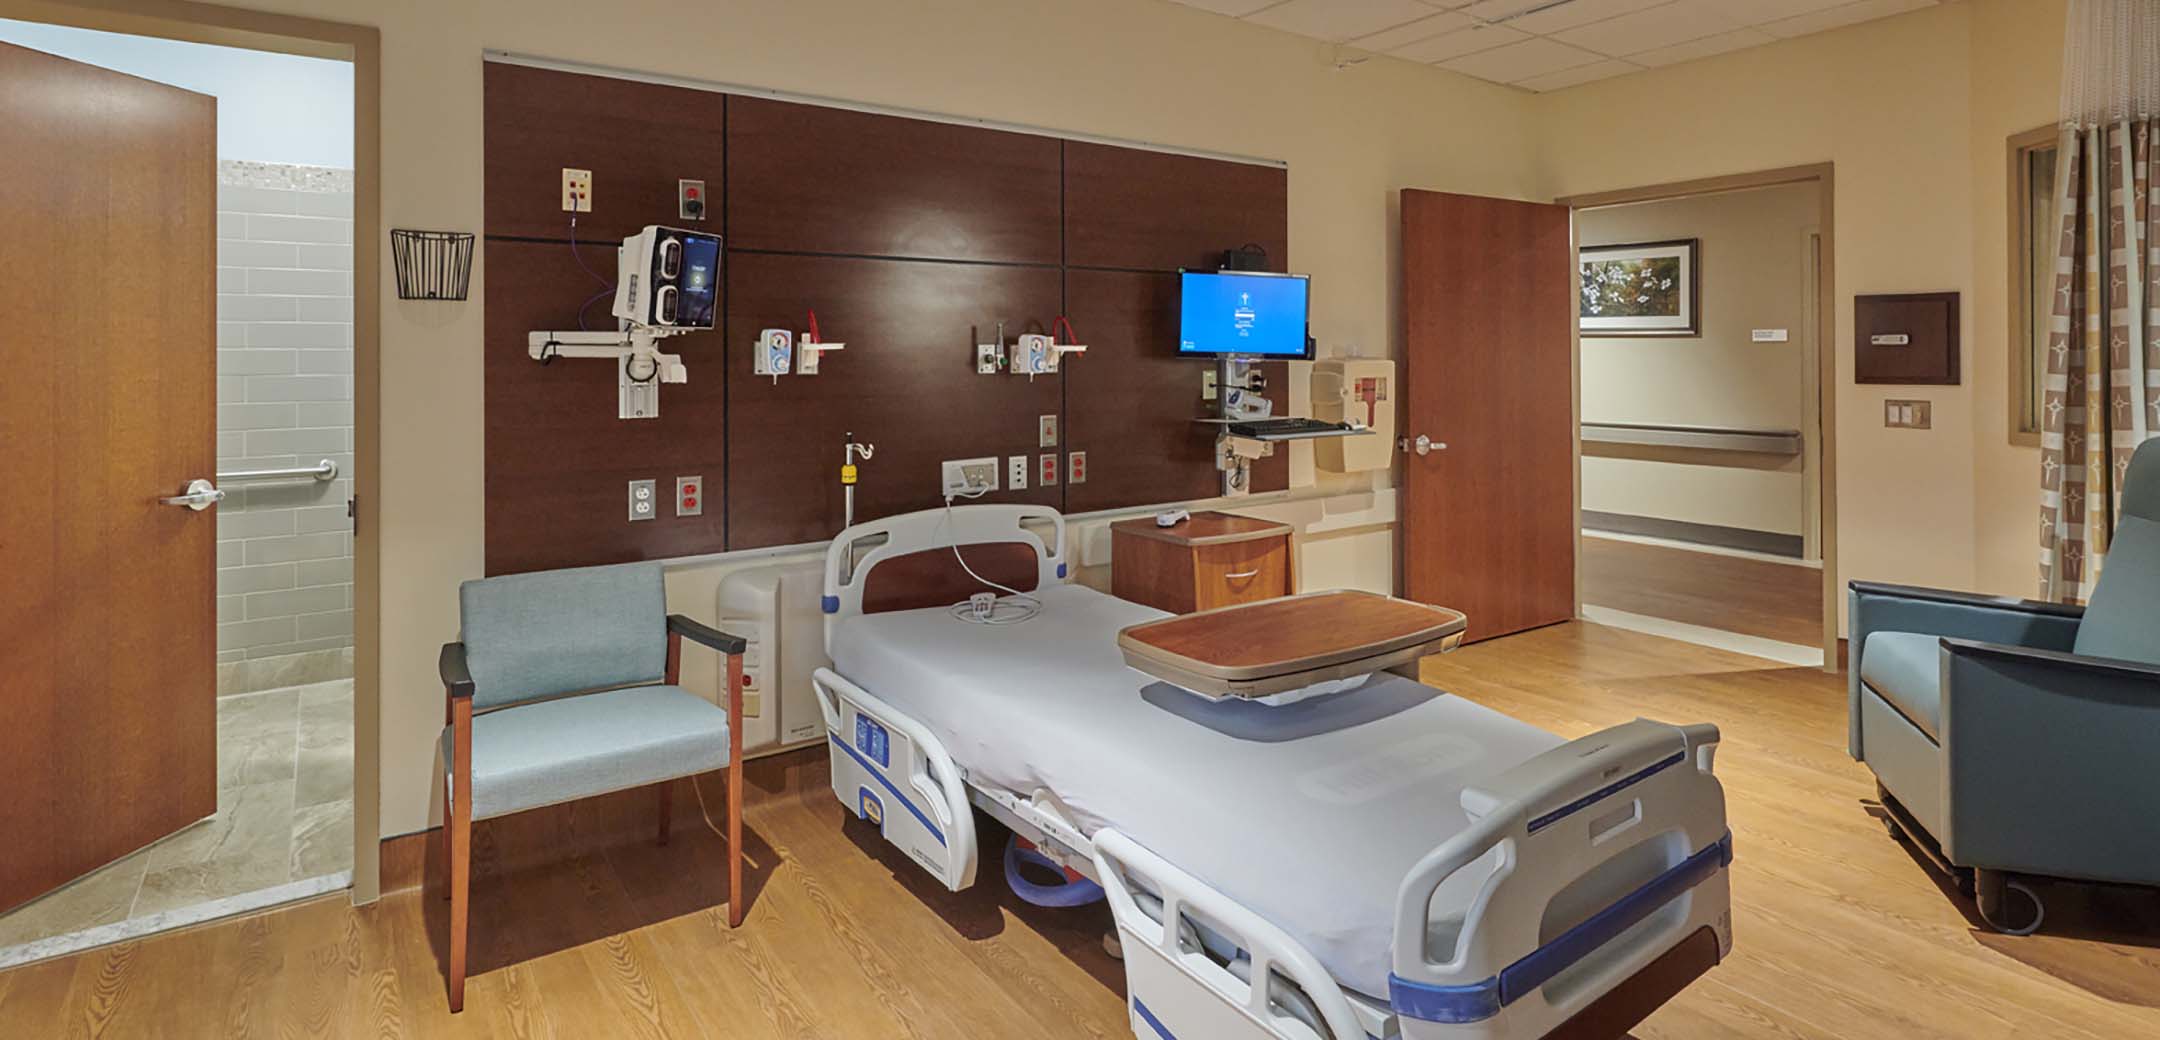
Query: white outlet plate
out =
(969, 476)
(644, 499)
(1046, 470)
(1046, 432)
(689, 496)
(1016, 472)
(576, 190)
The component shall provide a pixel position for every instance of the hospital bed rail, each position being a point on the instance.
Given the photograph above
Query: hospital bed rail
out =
(939, 832)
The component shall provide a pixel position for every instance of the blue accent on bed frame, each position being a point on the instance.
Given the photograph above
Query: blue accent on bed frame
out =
(1154, 1023)
(1482, 1000)
(873, 770)
(1070, 893)
(830, 604)
(1061, 570)
(1607, 791)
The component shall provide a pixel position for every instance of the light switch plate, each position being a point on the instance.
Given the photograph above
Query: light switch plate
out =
(1770, 335)
(1908, 415)
(644, 499)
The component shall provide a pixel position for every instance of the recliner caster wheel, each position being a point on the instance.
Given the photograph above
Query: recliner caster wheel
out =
(2002, 913)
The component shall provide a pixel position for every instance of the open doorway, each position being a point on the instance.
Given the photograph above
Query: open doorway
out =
(248, 755)
(1703, 418)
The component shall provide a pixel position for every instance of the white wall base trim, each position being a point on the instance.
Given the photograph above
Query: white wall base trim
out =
(1753, 646)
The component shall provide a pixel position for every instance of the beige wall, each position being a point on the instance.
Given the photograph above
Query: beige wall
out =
(1135, 69)
(1755, 257)
(1913, 111)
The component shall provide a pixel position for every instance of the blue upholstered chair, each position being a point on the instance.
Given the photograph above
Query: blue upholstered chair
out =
(564, 687)
(2017, 738)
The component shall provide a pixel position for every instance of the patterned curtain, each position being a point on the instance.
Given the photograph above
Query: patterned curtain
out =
(2102, 390)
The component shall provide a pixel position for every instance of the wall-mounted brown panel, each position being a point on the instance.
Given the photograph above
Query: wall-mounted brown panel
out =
(558, 460)
(1129, 207)
(1273, 473)
(638, 139)
(906, 383)
(809, 178)
(1130, 400)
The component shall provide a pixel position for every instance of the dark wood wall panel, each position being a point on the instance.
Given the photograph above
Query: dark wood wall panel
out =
(1136, 398)
(906, 383)
(809, 178)
(558, 460)
(638, 139)
(1131, 208)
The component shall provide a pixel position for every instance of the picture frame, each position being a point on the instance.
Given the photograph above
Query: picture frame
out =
(1641, 289)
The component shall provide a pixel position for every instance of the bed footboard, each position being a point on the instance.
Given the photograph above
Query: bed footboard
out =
(891, 770)
(1605, 864)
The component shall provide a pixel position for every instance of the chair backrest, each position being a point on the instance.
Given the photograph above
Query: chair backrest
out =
(2122, 620)
(552, 632)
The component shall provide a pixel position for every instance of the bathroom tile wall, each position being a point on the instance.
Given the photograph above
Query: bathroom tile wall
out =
(285, 382)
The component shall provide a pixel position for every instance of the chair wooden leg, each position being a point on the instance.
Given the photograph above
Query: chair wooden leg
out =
(447, 850)
(667, 808)
(736, 901)
(460, 829)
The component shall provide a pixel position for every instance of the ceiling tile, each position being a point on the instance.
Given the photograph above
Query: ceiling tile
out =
(1532, 57)
(1580, 12)
(1848, 14)
(1422, 29)
(1661, 26)
(1458, 43)
(1606, 69)
(1495, 10)
(1233, 8)
(1756, 12)
(1340, 20)
(1703, 48)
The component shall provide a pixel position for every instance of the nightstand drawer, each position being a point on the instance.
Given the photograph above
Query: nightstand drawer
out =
(1229, 573)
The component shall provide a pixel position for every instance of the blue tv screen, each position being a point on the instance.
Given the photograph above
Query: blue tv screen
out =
(1242, 314)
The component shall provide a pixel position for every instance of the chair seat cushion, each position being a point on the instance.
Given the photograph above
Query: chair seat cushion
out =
(577, 747)
(1905, 670)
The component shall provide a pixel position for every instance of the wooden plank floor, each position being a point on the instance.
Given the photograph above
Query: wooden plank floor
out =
(1755, 597)
(1840, 931)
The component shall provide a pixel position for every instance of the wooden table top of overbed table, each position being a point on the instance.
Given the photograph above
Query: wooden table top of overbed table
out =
(1258, 649)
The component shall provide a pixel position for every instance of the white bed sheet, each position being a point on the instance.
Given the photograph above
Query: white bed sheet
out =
(1309, 814)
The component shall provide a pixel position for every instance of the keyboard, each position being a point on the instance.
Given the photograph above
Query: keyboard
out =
(1288, 429)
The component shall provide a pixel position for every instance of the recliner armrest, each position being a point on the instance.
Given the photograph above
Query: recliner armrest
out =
(1877, 607)
(2047, 760)
(706, 635)
(456, 676)
(1964, 599)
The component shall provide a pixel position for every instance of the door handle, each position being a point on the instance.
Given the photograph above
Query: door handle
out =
(199, 495)
(1423, 445)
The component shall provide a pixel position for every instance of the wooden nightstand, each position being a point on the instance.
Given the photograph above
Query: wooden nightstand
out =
(1210, 560)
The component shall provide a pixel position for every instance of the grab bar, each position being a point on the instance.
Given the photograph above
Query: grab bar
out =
(1712, 438)
(325, 470)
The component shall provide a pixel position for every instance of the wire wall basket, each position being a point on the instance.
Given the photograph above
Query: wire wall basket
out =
(432, 265)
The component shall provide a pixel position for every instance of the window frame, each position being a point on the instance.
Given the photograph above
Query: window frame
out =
(2023, 424)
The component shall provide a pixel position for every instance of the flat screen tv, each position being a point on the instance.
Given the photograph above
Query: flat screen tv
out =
(1243, 314)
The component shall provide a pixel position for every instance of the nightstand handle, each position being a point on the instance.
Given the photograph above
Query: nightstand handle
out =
(1242, 575)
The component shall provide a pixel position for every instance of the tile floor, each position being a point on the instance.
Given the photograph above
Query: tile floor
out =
(284, 814)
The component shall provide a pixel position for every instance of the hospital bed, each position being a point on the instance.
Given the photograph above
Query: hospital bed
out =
(1390, 861)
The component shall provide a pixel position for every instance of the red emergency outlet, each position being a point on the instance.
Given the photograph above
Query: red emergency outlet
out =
(689, 496)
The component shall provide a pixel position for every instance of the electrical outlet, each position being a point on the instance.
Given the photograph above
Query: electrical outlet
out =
(1016, 473)
(576, 190)
(690, 199)
(1076, 468)
(689, 496)
(1046, 432)
(1046, 470)
(644, 499)
(970, 476)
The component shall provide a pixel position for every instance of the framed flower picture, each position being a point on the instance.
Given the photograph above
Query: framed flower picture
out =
(1641, 289)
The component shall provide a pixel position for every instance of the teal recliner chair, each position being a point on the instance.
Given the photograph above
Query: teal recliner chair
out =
(2014, 738)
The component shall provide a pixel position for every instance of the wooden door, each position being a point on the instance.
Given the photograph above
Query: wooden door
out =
(108, 639)
(1488, 511)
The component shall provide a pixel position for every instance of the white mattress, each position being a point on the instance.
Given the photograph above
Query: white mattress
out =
(1309, 814)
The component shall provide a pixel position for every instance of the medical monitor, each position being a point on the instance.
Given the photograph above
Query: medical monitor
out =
(1243, 314)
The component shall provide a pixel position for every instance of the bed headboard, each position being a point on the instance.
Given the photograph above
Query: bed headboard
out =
(914, 566)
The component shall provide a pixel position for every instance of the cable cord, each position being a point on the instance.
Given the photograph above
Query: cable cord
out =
(1016, 607)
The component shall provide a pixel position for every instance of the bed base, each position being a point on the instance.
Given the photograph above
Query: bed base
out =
(1638, 927)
